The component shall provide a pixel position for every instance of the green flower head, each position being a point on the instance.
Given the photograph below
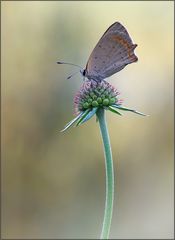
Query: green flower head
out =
(92, 96)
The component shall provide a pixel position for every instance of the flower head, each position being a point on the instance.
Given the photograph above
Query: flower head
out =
(92, 96)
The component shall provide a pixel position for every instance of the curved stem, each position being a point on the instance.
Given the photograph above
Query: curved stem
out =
(109, 174)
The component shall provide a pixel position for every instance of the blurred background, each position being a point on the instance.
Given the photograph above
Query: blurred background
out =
(53, 184)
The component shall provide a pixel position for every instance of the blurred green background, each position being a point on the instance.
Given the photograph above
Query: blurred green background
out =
(53, 184)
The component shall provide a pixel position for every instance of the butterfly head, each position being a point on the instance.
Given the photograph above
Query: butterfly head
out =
(83, 72)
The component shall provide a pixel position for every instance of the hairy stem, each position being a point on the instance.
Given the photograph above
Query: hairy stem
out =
(109, 174)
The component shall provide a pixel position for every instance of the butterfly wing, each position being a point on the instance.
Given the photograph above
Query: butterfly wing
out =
(112, 53)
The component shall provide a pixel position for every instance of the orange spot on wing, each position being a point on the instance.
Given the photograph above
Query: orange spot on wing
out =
(124, 43)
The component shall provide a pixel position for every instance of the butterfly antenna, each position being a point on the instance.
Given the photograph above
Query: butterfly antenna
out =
(70, 64)
(72, 75)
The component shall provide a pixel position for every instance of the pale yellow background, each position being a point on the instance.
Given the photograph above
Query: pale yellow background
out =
(53, 184)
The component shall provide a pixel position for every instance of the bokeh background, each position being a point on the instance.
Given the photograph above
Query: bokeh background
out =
(53, 184)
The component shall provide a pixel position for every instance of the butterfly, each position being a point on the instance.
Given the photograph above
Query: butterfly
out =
(113, 52)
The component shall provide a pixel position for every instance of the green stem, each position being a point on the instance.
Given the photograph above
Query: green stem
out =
(109, 174)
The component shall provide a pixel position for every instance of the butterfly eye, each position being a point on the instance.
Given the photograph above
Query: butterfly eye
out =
(84, 72)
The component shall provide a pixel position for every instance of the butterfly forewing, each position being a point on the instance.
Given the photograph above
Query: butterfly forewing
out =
(112, 53)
